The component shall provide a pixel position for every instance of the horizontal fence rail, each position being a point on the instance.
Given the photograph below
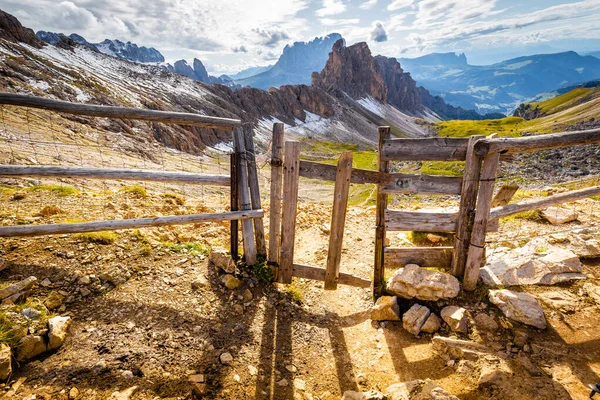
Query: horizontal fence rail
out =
(90, 110)
(424, 149)
(109, 173)
(53, 229)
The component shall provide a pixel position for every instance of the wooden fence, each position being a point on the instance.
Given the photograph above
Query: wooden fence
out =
(243, 179)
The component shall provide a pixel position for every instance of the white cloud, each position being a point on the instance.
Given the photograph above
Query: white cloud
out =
(398, 4)
(368, 4)
(378, 34)
(339, 21)
(331, 7)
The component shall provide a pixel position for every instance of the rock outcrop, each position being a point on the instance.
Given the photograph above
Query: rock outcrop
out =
(11, 29)
(518, 306)
(402, 90)
(413, 281)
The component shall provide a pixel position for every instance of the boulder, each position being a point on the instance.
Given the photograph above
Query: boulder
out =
(520, 307)
(18, 287)
(559, 216)
(30, 346)
(418, 390)
(485, 322)
(386, 309)
(584, 247)
(413, 281)
(5, 362)
(231, 282)
(221, 258)
(53, 301)
(524, 267)
(456, 318)
(58, 328)
(414, 319)
(432, 325)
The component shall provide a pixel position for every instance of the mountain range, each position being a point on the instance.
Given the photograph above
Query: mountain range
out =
(499, 87)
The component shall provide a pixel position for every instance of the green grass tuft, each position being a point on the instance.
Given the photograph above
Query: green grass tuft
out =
(295, 294)
(102, 237)
(59, 190)
(135, 191)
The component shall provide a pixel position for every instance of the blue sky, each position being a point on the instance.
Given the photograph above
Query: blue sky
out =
(228, 35)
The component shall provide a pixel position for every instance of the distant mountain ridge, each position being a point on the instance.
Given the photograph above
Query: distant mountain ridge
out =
(502, 86)
(296, 64)
(116, 48)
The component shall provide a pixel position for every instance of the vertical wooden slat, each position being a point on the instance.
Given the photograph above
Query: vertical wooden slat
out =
(233, 225)
(259, 227)
(482, 214)
(466, 212)
(338, 220)
(276, 184)
(291, 175)
(382, 199)
(244, 195)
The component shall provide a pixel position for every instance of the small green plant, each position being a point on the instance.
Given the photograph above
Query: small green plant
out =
(135, 191)
(140, 237)
(60, 190)
(7, 335)
(179, 200)
(263, 272)
(533, 215)
(295, 294)
(146, 250)
(38, 306)
(102, 237)
(192, 248)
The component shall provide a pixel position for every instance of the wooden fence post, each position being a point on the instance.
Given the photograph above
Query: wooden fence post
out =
(484, 203)
(259, 227)
(291, 175)
(233, 225)
(466, 212)
(382, 199)
(244, 194)
(338, 220)
(276, 184)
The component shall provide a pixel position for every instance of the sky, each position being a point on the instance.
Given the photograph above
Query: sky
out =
(230, 35)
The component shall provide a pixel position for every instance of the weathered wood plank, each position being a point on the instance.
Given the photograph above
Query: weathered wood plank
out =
(233, 204)
(536, 204)
(338, 220)
(424, 149)
(466, 211)
(53, 229)
(484, 202)
(112, 173)
(326, 172)
(259, 227)
(244, 195)
(504, 195)
(420, 221)
(276, 187)
(382, 201)
(119, 112)
(509, 145)
(291, 171)
(318, 274)
(422, 256)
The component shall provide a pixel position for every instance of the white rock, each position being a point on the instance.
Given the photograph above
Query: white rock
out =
(58, 328)
(413, 281)
(559, 216)
(123, 395)
(521, 307)
(299, 384)
(386, 309)
(523, 267)
(584, 248)
(415, 318)
(456, 318)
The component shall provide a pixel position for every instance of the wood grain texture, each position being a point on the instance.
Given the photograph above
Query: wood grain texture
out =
(113, 173)
(504, 195)
(244, 195)
(439, 257)
(253, 183)
(318, 274)
(424, 149)
(420, 221)
(338, 220)
(382, 201)
(475, 254)
(53, 229)
(466, 211)
(233, 204)
(276, 187)
(119, 112)
(291, 163)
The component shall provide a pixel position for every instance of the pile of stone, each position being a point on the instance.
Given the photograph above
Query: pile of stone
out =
(413, 390)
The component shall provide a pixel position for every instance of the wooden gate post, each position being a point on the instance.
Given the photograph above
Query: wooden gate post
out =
(484, 203)
(338, 220)
(276, 183)
(466, 212)
(291, 175)
(259, 227)
(382, 199)
(233, 204)
(244, 194)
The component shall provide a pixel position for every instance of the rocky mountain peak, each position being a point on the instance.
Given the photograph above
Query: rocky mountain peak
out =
(200, 70)
(11, 29)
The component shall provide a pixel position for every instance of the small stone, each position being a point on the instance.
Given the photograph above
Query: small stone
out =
(238, 308)
(435, 238)
(199, 282)
(291, 368)
(226, 358)
(231, 282)
(559, 216)
(84, 292)
(370, 395)
(521, 307)
(414, 318)
(220, 258)
(84, 280)
(53, 301)
(31, 313)
(494, 374)
(520, 337)
(58, 328)
(73, 393)
(252, 370)
(29, 347)
(46, 283)
(248, 296)
(456, 318)
(432, 325)
(299, 384)
(465, 367)
(237, 378)
(386, 309)
(283, 382)
(5, 362)
(486, 322)
(127, 374)
(196, 378)
(123, 395)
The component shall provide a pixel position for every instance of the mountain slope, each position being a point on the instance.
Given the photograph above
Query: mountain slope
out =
(296, 64)
(502, 86)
